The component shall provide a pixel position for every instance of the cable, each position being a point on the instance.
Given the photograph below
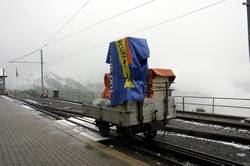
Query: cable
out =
(67, 22)
(81, 30)
(178, 17)
(78, 52)
(145, 28)
(25, 62)
(30, 53)
(58, 31)
(239, 1)
(99, 22)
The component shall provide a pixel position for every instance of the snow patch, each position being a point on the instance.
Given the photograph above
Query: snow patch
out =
(244, 147)
(212, 126)
(7, 98)
(27, 107)
(198, 124)
(66, 123)
(241, 154)
(243, 131)
(93, 136)
(31, 101)
(82, 123)
(36, 112)
(91, 120)
(70, 102)
(83, 131)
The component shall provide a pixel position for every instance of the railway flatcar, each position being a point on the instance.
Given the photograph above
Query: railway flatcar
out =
(135, 99)
(147, 117)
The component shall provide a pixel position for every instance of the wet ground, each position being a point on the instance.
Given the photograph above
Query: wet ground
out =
(26, 138)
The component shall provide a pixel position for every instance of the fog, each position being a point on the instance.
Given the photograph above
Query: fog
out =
(207, 50)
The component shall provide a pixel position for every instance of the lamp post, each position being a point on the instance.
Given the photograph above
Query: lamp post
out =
(248, 21)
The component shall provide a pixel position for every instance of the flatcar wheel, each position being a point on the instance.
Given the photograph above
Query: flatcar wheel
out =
(103, 128)
(130, 134)
(104, 131)
(150, 134)
(127, 135)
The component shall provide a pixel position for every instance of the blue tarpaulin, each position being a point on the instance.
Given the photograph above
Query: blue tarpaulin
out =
(128, 69)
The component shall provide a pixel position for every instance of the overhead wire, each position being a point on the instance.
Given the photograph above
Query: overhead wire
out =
(26, 55)
(67, 22)
(30, 62)
(83, 29)
(145, 28)
(100, 22)
(55, 34)
(178, 17)
(109, 18)
(239, 1)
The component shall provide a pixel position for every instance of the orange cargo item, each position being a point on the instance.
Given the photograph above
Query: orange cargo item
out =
(106, 92)
(152, 74)
(156, 72)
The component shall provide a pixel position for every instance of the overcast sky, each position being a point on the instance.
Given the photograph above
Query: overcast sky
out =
(208, 50)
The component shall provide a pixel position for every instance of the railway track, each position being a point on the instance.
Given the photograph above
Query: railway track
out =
(64, 114)
(201, 158)
(198, 157)
(190, 132)
(197, 133)
(222, 120)
(210, 135)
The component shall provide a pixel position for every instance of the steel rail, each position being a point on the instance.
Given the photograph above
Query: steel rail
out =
(210, 135)
(216, 122)
(36, 108)
(200, 157)
(65, 115)
(226, 121)
(153, 154)
(203, 158)
(181, 115)
(59, 113)
(211, 115)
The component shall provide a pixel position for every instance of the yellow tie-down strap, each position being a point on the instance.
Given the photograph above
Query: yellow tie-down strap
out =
(125, 59)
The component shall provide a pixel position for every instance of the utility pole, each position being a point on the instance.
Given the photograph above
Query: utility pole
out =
(42, 70)
(3, 81)
(248, 20)
(30, 62)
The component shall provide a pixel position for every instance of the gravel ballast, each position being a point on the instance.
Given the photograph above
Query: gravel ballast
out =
(236, 152)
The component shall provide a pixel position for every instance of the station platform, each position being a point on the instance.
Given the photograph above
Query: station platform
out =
(27, 138)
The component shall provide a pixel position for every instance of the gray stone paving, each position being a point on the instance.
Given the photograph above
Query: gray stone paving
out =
(26, 139)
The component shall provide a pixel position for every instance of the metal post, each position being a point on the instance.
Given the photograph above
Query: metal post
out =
(166, 103)
(183, 103)
(3, 81)
(248, 20)
(213, 106)
(42, 70)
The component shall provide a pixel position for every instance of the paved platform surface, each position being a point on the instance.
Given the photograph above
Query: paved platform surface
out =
(30, 139)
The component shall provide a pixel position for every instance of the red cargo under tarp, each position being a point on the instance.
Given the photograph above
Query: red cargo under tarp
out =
(106, 92)
(152, 73)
